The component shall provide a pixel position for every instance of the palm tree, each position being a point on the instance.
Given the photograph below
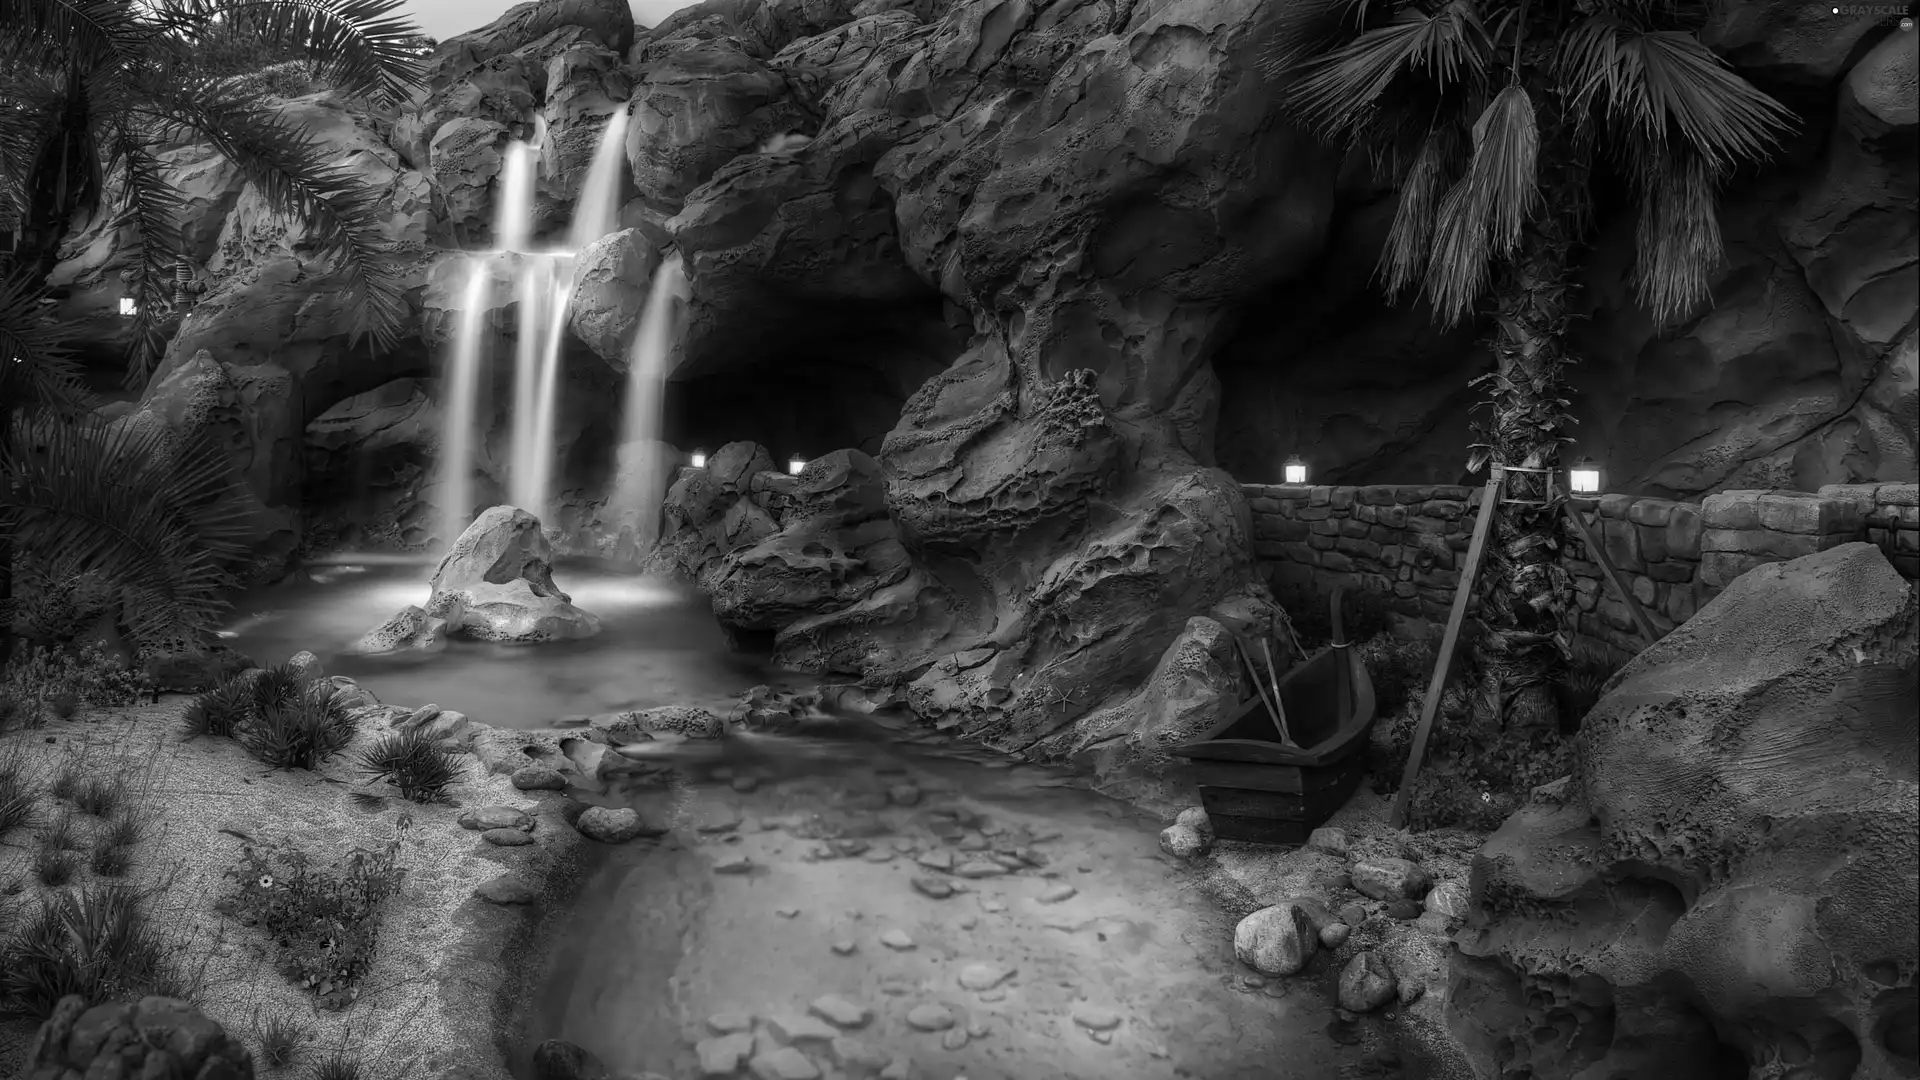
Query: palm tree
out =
(1496, 118)
(91, 92)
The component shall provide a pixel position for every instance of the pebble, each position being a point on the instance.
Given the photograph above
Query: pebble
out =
(506, 837)
(968, 922)
(840, 1012)
(900, 1068)
(976, 1029)
(1058, 893)
(932, 888)
(1334, 935)
(1183, 843)
(1411, 992)
(844, 947)
(722, 1056)
(974, 841)
(482, 818)
(724, 825)
(992, 907)
(1330, 840)
(936, 860)
(610, 826)
(507, 889)
(786, 912)
(1390, 879)
(878, 855)
(1195, 818)
(1449, 898)
(785, 1063)
(981, 975)
(930, 1017)
(795, 1028)
(897, 940)
(1353, 914)
(979, 868)
(733, 864)
(1094, 1017)
(730, 1023)
(538, 778)
(954, 1039)
(1366, 983)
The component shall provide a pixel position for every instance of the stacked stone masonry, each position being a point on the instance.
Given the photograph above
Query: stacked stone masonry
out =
(1405, 544)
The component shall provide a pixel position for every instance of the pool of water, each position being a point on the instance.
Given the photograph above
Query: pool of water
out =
(885, 879)
(659, 645)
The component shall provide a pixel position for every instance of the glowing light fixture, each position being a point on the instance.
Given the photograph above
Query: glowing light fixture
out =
(1295, 470)
(129, 306)
(699, 459)
(795, 465)
(1584, 477)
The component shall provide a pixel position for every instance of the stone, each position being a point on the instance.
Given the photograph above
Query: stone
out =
(1055, 894)
(306, 667)
(507, 837)
(785, 1063)
(844, 947)
(898, 1068)
(1404, 910)
(496, 817)
(932, 888)
(897, 940)
(611, 280)
(1183, 843)
(169, 1037)
(903, 795)
(981, 975)
(508, 888)
(840, 1012)
(1449, 898)
(1334, 935)
(733, 864)
(612, 826)
(558, 1059)
(929, 1017)
(730, 1023)
(1195, 818)
(1095, 1017)
(794, 1028)
(1390, 879)
(979, 868)
(1276, 940)
(538, 778)
(722, 1056)
(1366, 983)
(1330, 840)
(1681, 762)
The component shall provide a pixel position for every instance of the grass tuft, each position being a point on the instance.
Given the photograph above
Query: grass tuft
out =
(110, 860)
(95, 943)
(100, 795)
(412, 763)
(301, 733)
(17, 791)
(220, 712)
(339, 1065)
(280, 1036)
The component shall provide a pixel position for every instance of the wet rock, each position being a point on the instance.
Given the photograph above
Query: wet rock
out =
(979, 868)
(481, 818)
(1277, 940)
(609, 825)
(844, 947)
(897, 940)
(1390, 879)
(538, 778)
(1334, 935)
(496, 584)
(1056, 894)
(839, 1012)
(507, 837)
(785, 1063)
(733, 864)
(1330, 840)
(1353, 914)
(981, 975)
(1183, 843)
(508, 889)
(930, 1017)
(932, 888)
(1449, 898)
(1095, 1017)
(1367, 983)
(722, 1056)
(558, 1059)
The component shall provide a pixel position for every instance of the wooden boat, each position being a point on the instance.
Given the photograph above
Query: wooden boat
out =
(1256, 788)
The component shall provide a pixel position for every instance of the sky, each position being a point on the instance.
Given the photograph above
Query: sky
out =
(445, 18)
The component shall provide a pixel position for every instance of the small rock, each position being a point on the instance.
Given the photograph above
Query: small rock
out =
(787, 912)
(1183, 843)
(1094, 1017)
(1277, 940)
(840, 1012)
(856, 1054)
(931, 887)
(506, 837)
(897, 940)
(558, 1059)
(936, 860)
(1390, 879)
(610, 826)
(733, 864)
(954, 1039)
(979, 868)
(980, 975)
(1448, 898)
(722, 1056)
(306, 667)
(730, 1023)
(507, 889)
(1353, 914)
(900, 1068)
(903, 795)
(482, 818)
(1330, 840)
(538, 778)
(968, 922)
(1366, 983)
(930, 1017)
(744, 784)
(992, 907)
(1411, 992)
(794, 1028)
(1334, 935)
(878, 855)
(844, 948)
(786, 1063)
(1405, 910)
(1195, 818)
(1058, 893)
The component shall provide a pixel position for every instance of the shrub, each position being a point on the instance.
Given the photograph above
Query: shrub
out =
(311, 727)
(325, 920)
(411, 762)
(275, 687)
(95, 943)
(339, 1065)
(55, 682)
(99, 795)
(220, 712)
(17, 790)
(110, 860)
(280, 1036)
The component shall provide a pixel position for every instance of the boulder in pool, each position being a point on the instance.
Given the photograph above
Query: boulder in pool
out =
(496, 584)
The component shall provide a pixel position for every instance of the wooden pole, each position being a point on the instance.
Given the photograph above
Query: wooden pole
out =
(1612, 574)
(1430, 708)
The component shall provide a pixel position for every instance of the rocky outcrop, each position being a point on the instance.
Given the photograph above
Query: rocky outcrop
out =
(157, 1036)
(610, 286)
(1730, 875)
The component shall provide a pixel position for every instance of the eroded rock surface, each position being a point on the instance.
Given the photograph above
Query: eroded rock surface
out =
(1733, 870)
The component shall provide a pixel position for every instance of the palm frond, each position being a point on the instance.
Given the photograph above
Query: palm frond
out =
(23, 129)
(1677, 237)
(1656, 85)
(148, 224)
(304, 180)
(58, 32)
(1337, 93)
(1404, 258)
(36, 368)
(155, 516)
(1308, 28)
(1481, 218)
(365, 47)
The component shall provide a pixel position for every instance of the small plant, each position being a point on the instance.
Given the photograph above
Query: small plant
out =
(324, 919)
(66, 782)
(17, 790)
(339, 1065)
(110, 860)
(303, 732)
(411, 762)
(276, 687)
(125, 830)
(53, 866)
(95, 943)
(220, 712)
(56, 682)
(280, 1036)
(100, 795)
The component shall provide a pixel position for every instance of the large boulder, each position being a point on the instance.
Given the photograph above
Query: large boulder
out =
(1734, 871)
(611, 280)
(156, 1036)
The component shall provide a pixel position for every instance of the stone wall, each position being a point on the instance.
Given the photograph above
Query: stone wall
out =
(1404, 544)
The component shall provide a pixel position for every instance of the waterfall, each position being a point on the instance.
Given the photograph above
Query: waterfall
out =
(463, 390)
(597, 213)
(642, 475)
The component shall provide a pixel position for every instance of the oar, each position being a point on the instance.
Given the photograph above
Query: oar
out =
(1279, 707)
(1272, 706)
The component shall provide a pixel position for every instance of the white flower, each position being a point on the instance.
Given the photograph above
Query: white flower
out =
(266, 881)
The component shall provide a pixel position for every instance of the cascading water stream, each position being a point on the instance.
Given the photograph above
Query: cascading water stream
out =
(597, 212)
(641, 479)
(463, 392)
(535, 292)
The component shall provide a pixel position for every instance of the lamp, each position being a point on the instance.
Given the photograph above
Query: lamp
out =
(129, 306)
(795, 465)
(1295, 470)
(1584, 477)
(699, 459)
